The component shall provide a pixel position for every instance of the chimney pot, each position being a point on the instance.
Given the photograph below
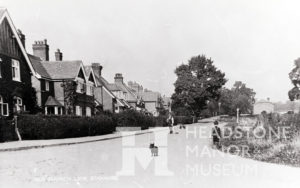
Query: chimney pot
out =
(97, 68)
(58, 55)
(41, 49)
(118, 78)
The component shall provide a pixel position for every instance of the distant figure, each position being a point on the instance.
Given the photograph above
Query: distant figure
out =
(154, 150)
(216, 134)
(170, 122)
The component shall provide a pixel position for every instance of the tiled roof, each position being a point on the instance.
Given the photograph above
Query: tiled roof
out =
(130, 95)
(62, 69)
(149, 96)
(38, 67)
(114, 87)
(51, 101)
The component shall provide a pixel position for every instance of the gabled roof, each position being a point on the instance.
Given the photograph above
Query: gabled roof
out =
(38, 67)
(51, 101)
(4, 14)
(63, 69)
(130, 94)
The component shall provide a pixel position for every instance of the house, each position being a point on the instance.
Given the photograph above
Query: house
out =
(152, 100)
(16, 91)
(63, 87)
(124, 93)
(263, 106)
(103, 95)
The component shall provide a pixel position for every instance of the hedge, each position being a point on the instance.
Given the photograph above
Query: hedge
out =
(54, 127)
(38, 127)
(7, 131)
(131, 118)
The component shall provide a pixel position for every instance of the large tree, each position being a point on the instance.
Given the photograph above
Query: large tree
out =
(239, 96)
(198, 82)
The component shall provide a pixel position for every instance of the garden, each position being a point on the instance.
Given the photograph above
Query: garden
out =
(270, 138)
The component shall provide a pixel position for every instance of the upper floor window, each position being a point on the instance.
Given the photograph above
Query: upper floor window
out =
(47, 85)
(90, 89)
(0, 68)
(3, 108)
(80, 86)
(16, 70)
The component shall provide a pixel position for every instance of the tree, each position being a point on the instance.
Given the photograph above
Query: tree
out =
(197, 82)
(294, 75)
(239, 96)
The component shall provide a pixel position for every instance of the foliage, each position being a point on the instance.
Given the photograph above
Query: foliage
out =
(239, 96)
(197, 82)
(269, 149)
(54, 127)
(132, 118)
(69, 96)
(294, 76)
(7, 131)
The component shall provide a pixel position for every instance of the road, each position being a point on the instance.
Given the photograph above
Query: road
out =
(185, 160)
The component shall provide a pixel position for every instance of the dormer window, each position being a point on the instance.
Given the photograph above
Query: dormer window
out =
(15, 64)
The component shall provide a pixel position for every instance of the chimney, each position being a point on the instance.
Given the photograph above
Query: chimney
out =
(41, 49)
(118, 78)
(58, 55)
(21, 36)
(97, 68)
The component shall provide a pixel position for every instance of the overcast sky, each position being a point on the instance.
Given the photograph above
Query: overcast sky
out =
(253, 41)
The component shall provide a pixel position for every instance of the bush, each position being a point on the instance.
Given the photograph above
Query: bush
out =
(183, 120)
(55, 127)
(7, 131)
(131, 118)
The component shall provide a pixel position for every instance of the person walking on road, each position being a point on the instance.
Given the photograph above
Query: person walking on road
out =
(170, 122)
(216, 134)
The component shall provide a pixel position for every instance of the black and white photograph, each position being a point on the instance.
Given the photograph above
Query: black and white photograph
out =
(149, 93)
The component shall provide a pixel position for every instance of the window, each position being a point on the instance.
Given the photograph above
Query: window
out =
(89, 90)
(88, 112)
(3, 108)
(0, 68)
(78, 111)
(80, 87)
(19, 104)
(46, 85)
(16, 70)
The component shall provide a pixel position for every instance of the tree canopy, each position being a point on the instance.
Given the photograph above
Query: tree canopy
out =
(239, 96)
(294, 76)
(198, 82)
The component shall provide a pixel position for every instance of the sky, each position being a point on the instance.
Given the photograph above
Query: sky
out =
(255, 41)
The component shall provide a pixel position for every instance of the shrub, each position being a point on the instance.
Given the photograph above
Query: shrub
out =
(7, 131)
(55, 127)
(131, 118)
(183, 120)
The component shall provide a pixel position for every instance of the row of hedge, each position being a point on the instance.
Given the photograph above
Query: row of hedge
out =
(7, 131)
(33, 127)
